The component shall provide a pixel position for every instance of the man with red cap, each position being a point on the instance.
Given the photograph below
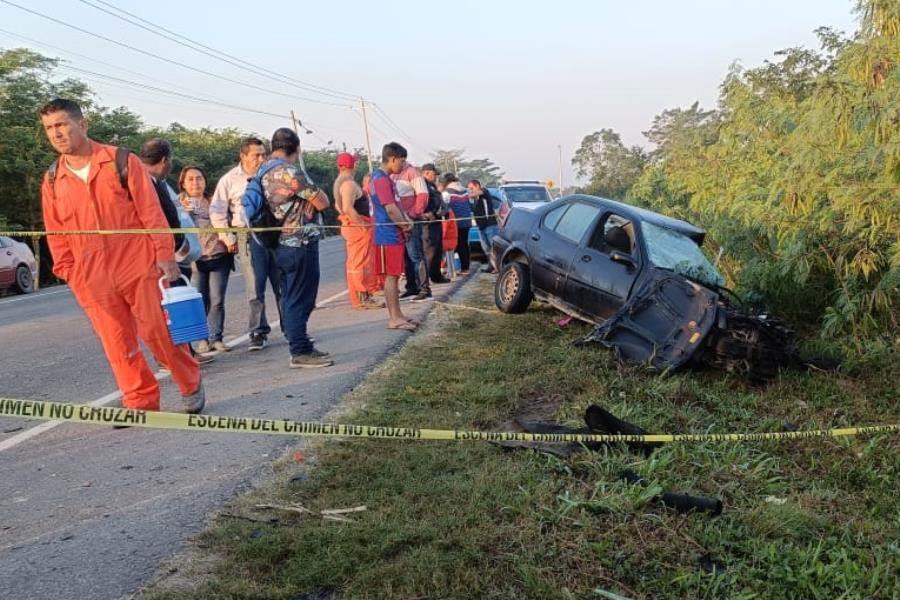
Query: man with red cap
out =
(356, 229)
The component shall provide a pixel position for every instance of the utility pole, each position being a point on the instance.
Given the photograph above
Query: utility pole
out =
(297, 131)
(559, 147)
(362, 105)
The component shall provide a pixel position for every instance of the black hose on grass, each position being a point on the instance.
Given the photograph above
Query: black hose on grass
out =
(682, 503)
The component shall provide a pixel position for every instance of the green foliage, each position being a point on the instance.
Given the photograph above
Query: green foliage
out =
(467, 169)
(26, 83)
(611, 167)
(797, 175)
(815, 518)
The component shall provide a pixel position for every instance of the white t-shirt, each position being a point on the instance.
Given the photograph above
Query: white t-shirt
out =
(81, 173)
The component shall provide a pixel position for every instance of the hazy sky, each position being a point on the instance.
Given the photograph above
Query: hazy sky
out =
(507, 80)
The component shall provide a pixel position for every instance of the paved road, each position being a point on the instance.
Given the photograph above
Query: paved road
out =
(88, 512)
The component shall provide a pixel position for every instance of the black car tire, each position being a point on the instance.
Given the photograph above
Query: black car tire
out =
(512, 292)
(24, 283)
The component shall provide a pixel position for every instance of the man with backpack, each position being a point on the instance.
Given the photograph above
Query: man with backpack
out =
(282, 195)
(114, 277)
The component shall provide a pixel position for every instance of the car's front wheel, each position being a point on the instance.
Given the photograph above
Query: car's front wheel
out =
(512, 292)
(24, 280)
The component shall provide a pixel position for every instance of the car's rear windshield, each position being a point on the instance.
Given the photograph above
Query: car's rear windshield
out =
(671, 250)
(518, 194)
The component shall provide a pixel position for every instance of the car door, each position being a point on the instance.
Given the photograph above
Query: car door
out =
(7, 262)
(602, 276)
(554, 242)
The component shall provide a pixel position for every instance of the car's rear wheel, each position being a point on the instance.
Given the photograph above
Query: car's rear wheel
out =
(512, 292)
(24, 280)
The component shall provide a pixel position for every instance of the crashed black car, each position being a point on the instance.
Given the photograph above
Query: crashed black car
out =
(642, 278)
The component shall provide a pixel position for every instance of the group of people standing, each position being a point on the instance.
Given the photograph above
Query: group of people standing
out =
(397, 222)
(408, 217)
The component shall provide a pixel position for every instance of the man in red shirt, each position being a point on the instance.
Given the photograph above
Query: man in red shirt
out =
(412, 193)
(391, 226)
(114, 277)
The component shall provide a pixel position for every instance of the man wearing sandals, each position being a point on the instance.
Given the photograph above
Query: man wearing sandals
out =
(391, 229)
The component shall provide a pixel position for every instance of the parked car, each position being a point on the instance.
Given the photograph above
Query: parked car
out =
(642, 278)
(526, 195)
(18, 269)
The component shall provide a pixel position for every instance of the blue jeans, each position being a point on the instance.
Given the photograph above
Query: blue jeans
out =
(210, 277)
(258, 266)
(486, 235)
(415, 267)
(299, 269)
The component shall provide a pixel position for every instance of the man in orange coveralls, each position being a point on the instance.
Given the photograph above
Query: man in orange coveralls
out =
(353, 212)
(114, 277)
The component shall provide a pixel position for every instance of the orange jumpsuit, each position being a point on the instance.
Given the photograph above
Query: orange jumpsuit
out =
(361, 278)
(114, 277)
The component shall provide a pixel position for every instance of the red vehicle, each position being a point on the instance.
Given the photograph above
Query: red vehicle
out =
(18, 269)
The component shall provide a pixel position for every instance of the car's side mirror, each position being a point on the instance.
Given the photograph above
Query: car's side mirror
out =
(622, 258)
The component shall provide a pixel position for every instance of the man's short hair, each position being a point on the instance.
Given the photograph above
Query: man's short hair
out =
(250, 141)
(430, 167)
(476, 182)
(450, 178)
(69, 106)
(393, 150)
(155, 150)
(286, 140)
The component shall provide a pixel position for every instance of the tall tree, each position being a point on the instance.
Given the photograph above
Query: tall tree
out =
(797, 175)
(455, 161)
(611, 167)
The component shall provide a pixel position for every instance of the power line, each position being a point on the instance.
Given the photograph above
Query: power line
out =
(196, 43)
(172, 92)
(95, 60)
(390, 121)
(381, 114)
(212, 52)
(130, 84)
(167, 60)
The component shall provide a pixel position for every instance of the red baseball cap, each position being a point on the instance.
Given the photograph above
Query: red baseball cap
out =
(345, 160)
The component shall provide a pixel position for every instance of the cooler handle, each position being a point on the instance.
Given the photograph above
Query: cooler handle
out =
(162, 290)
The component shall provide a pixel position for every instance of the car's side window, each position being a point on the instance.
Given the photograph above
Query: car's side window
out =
(553, 217)
(612, 233)
(576, 221)
(5, 242)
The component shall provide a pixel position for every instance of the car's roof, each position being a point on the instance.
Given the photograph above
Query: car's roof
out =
(636, 213)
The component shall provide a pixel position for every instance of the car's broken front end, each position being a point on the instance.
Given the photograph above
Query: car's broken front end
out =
(673, 322)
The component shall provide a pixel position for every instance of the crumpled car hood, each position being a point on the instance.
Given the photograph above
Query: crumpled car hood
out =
(663, 323)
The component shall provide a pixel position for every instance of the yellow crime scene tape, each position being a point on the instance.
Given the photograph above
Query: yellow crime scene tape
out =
(80, 413)
(199, 230)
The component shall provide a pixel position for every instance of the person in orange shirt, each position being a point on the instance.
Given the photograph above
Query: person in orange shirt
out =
(114, 277)
(356, 229)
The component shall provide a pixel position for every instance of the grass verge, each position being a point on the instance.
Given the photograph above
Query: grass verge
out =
(806, 519)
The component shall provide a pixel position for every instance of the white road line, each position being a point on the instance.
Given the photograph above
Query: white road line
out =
(66, 290)
(33, 296)
(112, 397)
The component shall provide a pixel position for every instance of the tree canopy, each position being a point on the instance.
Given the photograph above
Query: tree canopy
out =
(796, 175)
(455, 161)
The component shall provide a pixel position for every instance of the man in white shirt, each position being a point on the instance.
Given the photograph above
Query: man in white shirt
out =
(257, 265)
